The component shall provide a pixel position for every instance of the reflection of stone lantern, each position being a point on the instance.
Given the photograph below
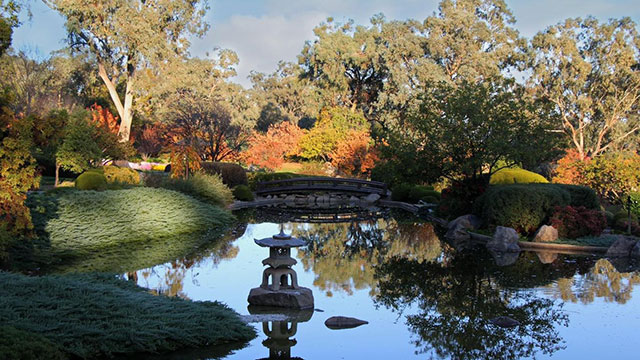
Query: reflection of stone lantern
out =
(279, 285)
(280, 332)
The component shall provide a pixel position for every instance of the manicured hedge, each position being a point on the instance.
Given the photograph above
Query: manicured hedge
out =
(100, 316)
(120, 175)
(204, 187)
(243, 193)
(232, 174)
(516, 176)
(91, 180)
(525, 207)
(414, 193)
(257, 177)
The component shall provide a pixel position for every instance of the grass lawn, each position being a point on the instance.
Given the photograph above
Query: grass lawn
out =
(118, 230)
(98, 315)
(602, 241)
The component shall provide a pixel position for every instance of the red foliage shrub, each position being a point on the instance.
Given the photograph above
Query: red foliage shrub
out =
(574, 222)
(268, 151)
(570, 168)
(151, 140)
(355, 155)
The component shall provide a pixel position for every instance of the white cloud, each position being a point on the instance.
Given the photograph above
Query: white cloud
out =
(260, 41)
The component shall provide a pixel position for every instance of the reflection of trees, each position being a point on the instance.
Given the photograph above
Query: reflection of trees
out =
(602, 281)
(457, 302)
(343, 256)
(174, 272)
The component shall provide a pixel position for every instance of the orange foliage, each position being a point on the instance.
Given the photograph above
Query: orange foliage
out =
(269, 150)
(355, 156)
(151, 140)
(570, 168)
(104, 118)
(183, 158)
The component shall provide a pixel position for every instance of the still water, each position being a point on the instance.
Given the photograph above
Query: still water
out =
(422, 298)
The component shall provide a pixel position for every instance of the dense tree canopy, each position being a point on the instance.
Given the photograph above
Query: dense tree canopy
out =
(126, 36)
(589, 71)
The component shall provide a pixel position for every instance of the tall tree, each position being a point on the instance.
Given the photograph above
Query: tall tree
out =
(590, 72)
(126, 36)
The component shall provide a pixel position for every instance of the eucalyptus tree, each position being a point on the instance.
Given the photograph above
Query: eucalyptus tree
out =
(283, 95)
(127, 36)
(590, 72)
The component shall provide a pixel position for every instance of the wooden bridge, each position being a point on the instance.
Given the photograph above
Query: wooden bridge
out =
(321, 184)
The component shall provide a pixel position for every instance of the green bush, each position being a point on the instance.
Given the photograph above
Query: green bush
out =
(100, 316)
(401, 192)
(119, 175)
(526, 207)
(91, 180)
(258, 177)
(232, 174)
(243, 193)
(522, 207)
(121, 230)
(418, 193)
(205, 187)
(19, 344)
(516, 176)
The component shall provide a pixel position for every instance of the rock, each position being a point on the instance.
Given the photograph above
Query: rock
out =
(622, 246)
(300, 298)
(546, 233)
(457, 231)
(635, 252)
(371, 198)
(290, 199)
(547, 257)
(504, 240)
(343, 322)
(505, 322)
(354, 199)
(473, 220)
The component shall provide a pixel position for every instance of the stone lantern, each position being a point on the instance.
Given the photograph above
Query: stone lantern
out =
(279, 285)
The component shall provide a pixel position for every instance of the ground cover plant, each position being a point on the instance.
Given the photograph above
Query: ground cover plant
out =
(97, 315)
(120, 230)
(204, 187)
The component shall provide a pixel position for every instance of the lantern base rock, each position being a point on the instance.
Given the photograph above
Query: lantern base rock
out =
(300, 298)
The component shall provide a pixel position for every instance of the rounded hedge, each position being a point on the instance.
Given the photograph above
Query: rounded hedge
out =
(91, 180)
(516, 176)
(232, 174)
(120, 175)
(243, 193)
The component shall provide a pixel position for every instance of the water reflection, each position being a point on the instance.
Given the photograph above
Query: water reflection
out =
(343, 256)
(456, 302)
(281, 329)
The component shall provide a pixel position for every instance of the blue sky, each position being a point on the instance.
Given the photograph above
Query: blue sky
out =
(263, 32)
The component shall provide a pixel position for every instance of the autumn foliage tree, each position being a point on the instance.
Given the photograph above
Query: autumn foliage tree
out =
(269, 150)
(356, 155)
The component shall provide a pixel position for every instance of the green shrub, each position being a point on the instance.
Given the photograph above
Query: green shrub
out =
(91, 180)
(581, 196)
(401, 192)
(243, 193)
(121, 230)
(258, 177)
(205, 187)
(119, 175)
(516, 176)
(522, 207)
(19, 344)
(100, 316)
(459, 198)
(232, 174)
(418, 193)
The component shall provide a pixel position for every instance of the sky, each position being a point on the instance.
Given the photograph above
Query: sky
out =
(263, 32)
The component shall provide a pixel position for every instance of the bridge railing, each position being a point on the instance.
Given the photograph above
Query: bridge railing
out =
(317, 183)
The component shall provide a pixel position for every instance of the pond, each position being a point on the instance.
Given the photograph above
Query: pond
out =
(422, 298)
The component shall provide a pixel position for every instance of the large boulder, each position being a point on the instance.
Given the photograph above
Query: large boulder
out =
(457, 231)
(504, 240)
(635, 252)
(474, 221)
(343, 322)
(545, 234)
(504, 258)
(547, 257)
(622, 246)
